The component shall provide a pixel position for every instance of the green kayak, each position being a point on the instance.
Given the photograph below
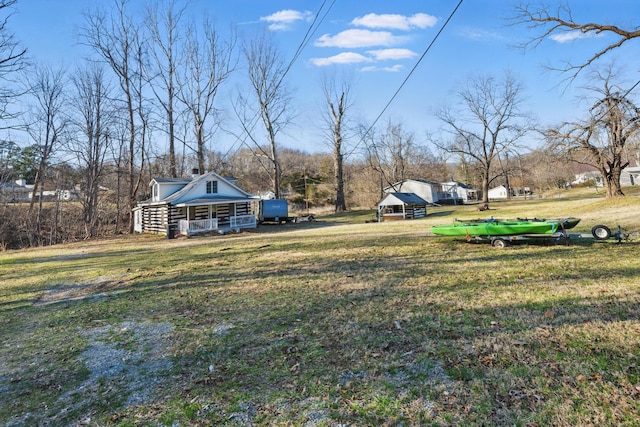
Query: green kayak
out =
(497, 228)
(566, 223)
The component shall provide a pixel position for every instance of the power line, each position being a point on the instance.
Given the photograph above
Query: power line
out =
(393, 97)
(313, 28)
(623, 96)
(307, 37)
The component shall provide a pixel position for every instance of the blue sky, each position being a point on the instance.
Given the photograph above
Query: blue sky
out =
(379, 41)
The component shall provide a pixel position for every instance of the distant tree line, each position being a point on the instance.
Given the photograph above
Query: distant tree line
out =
(147, 103)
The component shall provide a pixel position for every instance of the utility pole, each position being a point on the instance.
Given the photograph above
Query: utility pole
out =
(306, 196)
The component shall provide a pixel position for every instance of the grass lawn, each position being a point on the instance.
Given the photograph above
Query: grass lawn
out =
(338, 322)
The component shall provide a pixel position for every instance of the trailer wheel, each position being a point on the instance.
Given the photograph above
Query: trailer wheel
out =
(499, 243)
(601, 232)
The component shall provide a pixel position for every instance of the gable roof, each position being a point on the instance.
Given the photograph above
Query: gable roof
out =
(170, 180)
(13, 186)
(459, 184)
(187, 192)
(392, 199)
(191, 191)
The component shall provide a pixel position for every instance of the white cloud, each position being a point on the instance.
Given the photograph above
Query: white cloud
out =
(385, 54)
(422, 20)
(570, 36)
(341, 58)
(369, 68)
(282, 20)
(392, 69)
(474, 33)
(359, 38)
(394, 21)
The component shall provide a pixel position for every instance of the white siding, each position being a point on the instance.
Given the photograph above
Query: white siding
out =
(498, 193)
(422, 189)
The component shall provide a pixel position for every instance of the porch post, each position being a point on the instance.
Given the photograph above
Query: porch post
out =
(235, 214)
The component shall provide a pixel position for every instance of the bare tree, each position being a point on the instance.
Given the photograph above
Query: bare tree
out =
(338, 100)
(46, 126)
(119, 141)
(266, 73)
(489, 122)
(548, 169)
(389, 153)
(600, 140)
(467, 171)
(12, 59)
(93, 118)
(561, 22)
(208, 64)
(115, 38)
(164, 27)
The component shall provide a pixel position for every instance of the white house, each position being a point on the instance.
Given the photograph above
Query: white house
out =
(395, 206)
(462, 191)
(498, 193)
(630, 176)
(431, 192)
(203, 203)
(588, 176)
(17, 191)
(451, 192)
(265, 195)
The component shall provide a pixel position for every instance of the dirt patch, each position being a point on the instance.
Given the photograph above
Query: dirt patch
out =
(97, 290)
(136, 353)
(128, 365)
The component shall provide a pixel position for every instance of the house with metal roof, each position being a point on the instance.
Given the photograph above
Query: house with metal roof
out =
(186, 206)
(432, 192)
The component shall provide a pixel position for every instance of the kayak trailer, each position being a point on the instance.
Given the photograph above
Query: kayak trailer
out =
(598, 233)
(503, 241)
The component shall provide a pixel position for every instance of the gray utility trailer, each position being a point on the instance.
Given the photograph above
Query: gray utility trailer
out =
(598, 232)
(504, 241)
(277, 211)
(273, 210)
(602, 232)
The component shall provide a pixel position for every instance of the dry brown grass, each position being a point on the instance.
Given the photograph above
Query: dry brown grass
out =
(336, 322)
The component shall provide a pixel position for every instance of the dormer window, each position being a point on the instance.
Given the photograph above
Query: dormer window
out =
(155, 192)
(212, 187)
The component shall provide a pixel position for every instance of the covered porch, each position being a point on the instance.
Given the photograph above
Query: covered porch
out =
(220, 214)
(195, 226)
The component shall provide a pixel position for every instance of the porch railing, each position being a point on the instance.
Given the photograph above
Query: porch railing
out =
(243, 221)
(197, 225)
(194, 226)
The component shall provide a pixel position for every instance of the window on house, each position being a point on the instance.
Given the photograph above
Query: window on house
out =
(212, 187)
(155, 192)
